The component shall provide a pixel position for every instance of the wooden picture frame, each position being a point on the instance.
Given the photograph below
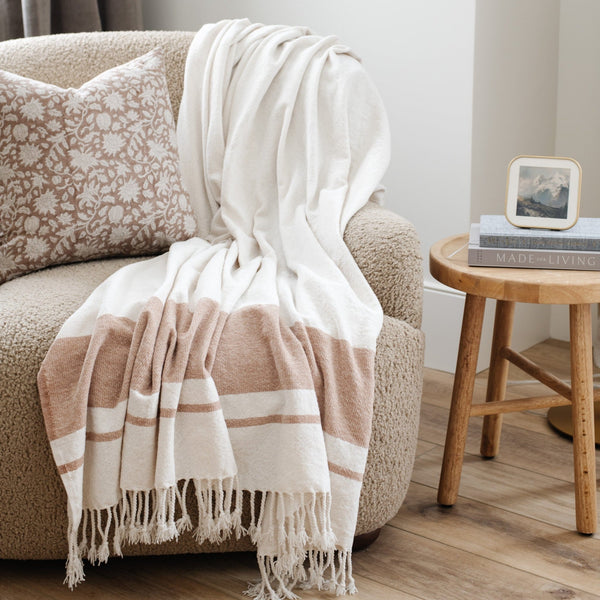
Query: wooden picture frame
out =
(543, 192)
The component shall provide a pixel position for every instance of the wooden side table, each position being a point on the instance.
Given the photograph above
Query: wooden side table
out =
(578, 289)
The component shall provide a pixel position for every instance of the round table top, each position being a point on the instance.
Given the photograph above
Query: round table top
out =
(448, 264)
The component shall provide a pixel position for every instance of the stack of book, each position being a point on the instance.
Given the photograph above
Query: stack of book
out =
(494, 242)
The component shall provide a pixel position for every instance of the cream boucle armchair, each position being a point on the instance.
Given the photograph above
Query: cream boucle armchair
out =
(32, 308)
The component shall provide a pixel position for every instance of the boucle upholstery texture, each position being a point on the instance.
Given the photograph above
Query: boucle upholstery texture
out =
(33, 307)
(69, 60)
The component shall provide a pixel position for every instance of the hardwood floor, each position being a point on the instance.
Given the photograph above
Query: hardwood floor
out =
(510, 535)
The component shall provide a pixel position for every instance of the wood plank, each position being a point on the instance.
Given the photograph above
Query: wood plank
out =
(549, 455)
(237, 575)
(433, 571)
(492, 482)
(14, 587)
(150, 578)
(229, 573)
(368, 589)
(423, 447)
(531, 420)
(437, 390)
(526, 544)
(167, 576)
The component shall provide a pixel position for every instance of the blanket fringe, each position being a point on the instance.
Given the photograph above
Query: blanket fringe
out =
(148, 516)
(324, 571)
(292, 532)
(74, 566)
(298, 528)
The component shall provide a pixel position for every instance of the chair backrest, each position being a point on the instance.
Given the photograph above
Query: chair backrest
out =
(71, 59)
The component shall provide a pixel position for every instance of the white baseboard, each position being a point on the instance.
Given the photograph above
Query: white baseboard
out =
(442, 320)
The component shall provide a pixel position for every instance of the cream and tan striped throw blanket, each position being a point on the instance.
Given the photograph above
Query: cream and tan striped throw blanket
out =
(241, 360)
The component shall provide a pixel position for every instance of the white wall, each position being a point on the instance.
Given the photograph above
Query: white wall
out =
(578, 112)
(578, 104)
(515, 83)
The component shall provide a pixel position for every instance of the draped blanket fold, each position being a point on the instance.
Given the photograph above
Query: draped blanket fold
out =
(240, 363)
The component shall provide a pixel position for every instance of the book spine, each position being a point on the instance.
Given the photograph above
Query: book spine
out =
(533, 259)
(539, 242)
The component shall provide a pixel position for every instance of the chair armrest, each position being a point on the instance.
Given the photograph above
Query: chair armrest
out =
(386, 248)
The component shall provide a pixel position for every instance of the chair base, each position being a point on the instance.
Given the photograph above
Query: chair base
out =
(364, 540)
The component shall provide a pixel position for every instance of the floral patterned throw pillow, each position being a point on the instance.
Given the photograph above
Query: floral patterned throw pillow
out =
(89, 172)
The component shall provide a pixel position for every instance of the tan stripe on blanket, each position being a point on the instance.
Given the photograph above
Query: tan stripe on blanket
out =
(344, 472)
(141, 421)
(171, 413)
(234, 423)
(85, 371)
(197, 408)
(344, 383)
(256, 353)
(59, 379)
(109, 436)
(181, 343)
(281, 419)
(70, 466)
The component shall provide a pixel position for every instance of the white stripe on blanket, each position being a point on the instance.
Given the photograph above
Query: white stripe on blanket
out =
(242, 363)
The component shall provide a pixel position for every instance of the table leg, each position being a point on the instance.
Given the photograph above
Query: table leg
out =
(584, 456)
(498, 374)
(462, 395)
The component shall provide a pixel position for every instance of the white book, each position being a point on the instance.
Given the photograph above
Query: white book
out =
(579, 260)
(497, 232)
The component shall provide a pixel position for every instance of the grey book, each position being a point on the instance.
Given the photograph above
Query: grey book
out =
(525, 258)
(497, 232)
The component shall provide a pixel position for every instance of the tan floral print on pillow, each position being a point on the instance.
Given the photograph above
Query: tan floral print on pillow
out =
(89, 172)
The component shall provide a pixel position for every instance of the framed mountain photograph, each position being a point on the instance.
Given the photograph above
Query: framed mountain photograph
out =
(543, 192)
